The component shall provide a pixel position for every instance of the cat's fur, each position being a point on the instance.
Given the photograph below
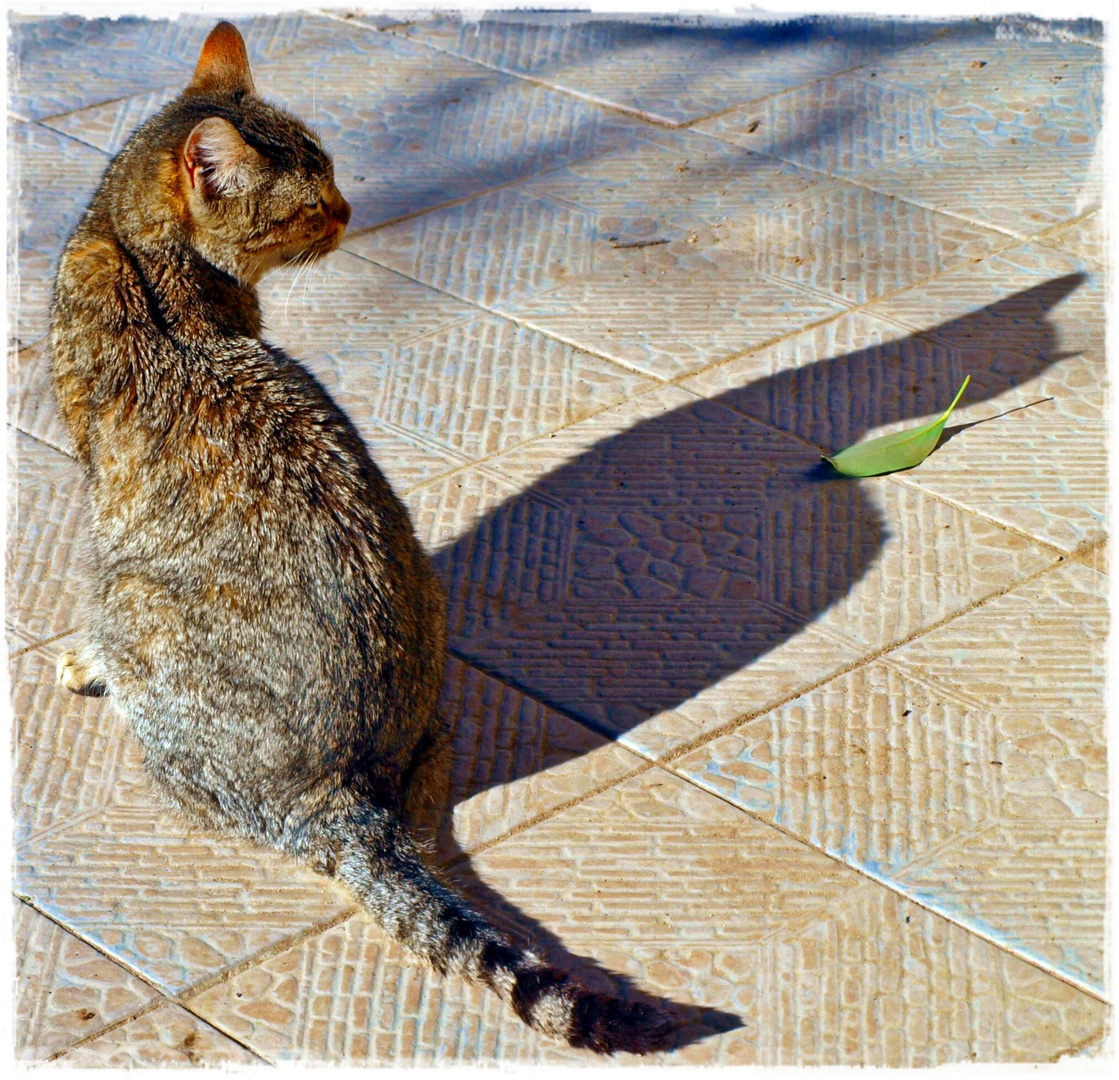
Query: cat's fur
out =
(261, 611)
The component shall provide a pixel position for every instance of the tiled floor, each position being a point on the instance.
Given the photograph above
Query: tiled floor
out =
(821, 761)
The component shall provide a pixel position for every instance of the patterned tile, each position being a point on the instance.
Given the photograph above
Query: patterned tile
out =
(1041, 337)
(1020, 190)
(165, 1037)
(65, 990)
(350, 997)
(1053, 765)
(72, 753)
(62, 64)
(411, 128)
(448, 508)
(841, 242)
(108, 126)
(1036, 887)
(647, 256)
(32, 407)
(797, 976)
(1085, 238)
(672, 557)
(173, 904)
(993, 819)
(844, 126)
(51, 179)
(1038, 647)
(514, 759)
(873, 767)
(42, 589)
(669, 69)
(994, 471)
(878, 981)
(402, 358)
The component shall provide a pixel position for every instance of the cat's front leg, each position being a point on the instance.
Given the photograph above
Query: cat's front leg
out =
(79, 671)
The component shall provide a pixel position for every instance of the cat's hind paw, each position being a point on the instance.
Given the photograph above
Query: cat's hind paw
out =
(77, 674)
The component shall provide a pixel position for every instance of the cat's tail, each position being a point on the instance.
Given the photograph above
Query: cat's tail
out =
(377, 859)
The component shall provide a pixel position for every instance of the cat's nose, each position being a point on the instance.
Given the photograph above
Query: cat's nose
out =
(339, 208)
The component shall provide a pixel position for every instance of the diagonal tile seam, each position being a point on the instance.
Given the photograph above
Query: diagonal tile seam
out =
(1009, 242)
(1087, 545)
(45, 641)
(183, 998)
(865, 660)
(808, 82)
(154, 1006)
(161, 999)
(630, 111)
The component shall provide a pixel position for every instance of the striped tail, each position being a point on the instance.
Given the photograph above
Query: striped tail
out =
(376, 858)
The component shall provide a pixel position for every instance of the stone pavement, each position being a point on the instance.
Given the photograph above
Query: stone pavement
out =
(822, 759)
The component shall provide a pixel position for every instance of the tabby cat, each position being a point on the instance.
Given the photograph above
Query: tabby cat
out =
(261, 611)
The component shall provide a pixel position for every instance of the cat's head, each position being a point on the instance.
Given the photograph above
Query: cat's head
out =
(257, 186)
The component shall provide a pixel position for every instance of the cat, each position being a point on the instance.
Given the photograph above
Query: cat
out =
(261, 611)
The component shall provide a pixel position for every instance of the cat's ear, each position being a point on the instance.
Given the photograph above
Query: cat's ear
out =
(223, 63)
(217, 161)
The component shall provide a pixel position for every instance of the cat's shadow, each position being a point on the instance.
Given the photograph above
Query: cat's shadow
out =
(671, 555)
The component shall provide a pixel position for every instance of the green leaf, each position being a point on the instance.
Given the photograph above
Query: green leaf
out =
(888, 453)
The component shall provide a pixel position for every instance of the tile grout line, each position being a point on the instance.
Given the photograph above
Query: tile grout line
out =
(898, 890)
(868, 658)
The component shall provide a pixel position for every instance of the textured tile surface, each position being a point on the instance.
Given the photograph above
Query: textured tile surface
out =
(42, 588)
(876, 833)
(647, 255)
(173, 904)
(65, 990)
(514, 759)
(51, 179)
(73, 755)
(168, 1036)
(669, 69)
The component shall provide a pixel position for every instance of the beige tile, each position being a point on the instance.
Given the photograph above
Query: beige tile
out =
(1039, 336)
(1038, 888)
(345, 309)
(701, 903)
(657, 861)
(1046, 479)
(56, 177)
(42, 587)
(174, 904)
(514, 759)
(73, 754)
(450, 507)
(844, 125)
(637, 564)
(872, 767)
(1021, 190)
(32, 389)
(673, 312)
(65, 990)
(1085, 238)
(644, 277)
(168, 1036)
(877, 981)
(673, 70)
(1038, 647)
(400, 357)
(682, 562)
(942, 798)
(349, 997)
